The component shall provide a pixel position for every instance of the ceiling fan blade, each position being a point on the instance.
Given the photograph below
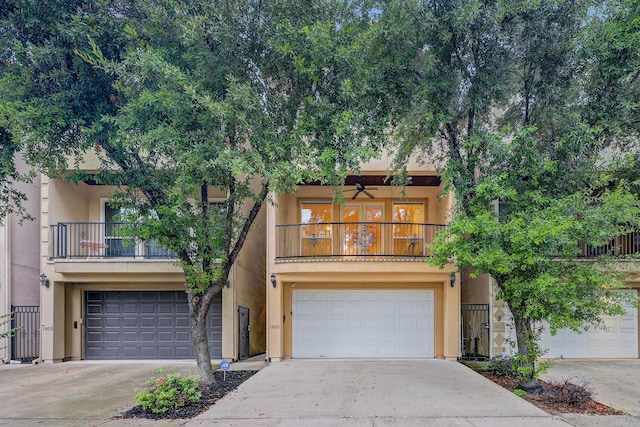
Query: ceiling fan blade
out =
(368, 194)
(355, 195)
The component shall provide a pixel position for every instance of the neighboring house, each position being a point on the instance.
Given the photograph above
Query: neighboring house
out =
(108, 297)
(19, 270)
(350, 280)
(487, 330)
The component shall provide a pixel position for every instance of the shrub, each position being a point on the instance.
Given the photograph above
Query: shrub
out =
(169, 392)
(503, 366)
(573, 392)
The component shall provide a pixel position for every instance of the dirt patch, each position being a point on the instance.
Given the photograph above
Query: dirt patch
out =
(209, 397)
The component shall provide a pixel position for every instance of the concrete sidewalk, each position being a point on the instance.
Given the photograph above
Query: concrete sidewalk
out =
(372, 393)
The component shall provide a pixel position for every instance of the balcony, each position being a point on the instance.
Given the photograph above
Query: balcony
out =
(625, 245)
(96, 240)
(354, 241)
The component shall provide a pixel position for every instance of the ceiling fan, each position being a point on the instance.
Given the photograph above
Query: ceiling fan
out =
(360, 188)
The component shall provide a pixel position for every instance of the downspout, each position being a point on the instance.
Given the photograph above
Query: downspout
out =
(6, 279)
(235, 322)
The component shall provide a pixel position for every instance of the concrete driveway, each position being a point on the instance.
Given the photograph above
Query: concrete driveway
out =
(616, 382)
(372, 393)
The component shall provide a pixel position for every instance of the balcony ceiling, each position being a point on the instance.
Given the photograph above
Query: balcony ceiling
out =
(383, 180)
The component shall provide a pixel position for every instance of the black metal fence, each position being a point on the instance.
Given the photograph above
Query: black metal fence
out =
(475, 331)
(100, 240)
(24, 344)
(354, 240)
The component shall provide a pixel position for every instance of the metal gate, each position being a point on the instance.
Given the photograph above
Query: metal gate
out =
(475, 331)
(24, 344)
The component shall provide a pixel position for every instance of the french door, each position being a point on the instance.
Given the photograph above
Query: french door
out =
(362, 230)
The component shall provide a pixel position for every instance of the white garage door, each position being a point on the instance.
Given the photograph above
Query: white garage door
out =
(363, 324)
(618, 340)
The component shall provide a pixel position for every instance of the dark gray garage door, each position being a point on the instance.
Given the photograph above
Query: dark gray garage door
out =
(145, 325)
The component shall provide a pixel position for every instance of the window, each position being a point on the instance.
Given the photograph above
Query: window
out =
(117, 246)
(316, 232)
(408, 228)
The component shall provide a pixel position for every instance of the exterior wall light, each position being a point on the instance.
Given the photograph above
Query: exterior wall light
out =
(452, 280)
(273, 280)
(44, 280)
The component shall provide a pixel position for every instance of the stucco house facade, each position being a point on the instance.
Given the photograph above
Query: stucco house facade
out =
(349, 280)
(107, 297)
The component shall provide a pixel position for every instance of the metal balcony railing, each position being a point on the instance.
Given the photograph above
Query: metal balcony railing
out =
(627, 244)
(94, 240)
(354, 241)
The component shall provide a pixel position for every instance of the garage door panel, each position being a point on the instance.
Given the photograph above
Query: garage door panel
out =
(181, 322)
(363, 324)
(112, 322)
(165, 308)
(183, 352)
(619, 339)
(144, 325)
(165, 322)
(129, 308)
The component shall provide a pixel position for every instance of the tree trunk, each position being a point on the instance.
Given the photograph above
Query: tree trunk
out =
(524, 337)
(198, 309)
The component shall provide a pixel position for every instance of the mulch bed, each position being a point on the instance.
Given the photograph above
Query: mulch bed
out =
(209, 397)
(545, 401)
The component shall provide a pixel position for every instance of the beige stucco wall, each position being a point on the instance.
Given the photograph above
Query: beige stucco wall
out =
(248, 281)
(475, 290)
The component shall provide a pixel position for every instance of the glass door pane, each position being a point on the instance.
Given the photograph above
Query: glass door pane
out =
(408, 229)
(350, 218)
(362, 233)
(316, 234)
(117, 246)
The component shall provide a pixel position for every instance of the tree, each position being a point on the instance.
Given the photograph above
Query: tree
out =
(499, 103)
(532, 246)
(190, 98)
(11, 198)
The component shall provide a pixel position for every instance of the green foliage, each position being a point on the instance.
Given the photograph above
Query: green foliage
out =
(502, 366)
(518, 366)
(515, 103)
(5, 319)
(169, 392)
(185, 102)
(519, 393)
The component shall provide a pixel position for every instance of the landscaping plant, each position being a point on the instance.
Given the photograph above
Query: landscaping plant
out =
(169, 392)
